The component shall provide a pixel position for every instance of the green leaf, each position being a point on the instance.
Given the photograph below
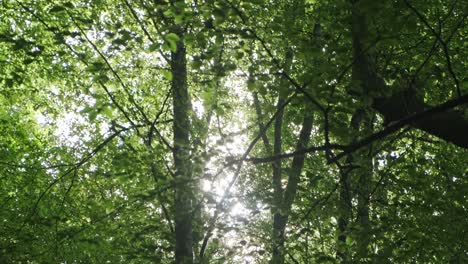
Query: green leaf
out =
(107, 111)
(251, 85)
(154, 46)
(178, 19)
(57, 9)
(93, 115)
(196, 64)
(219, 15)
(172, 37)
(172, 40)
(167, 75)
(119, 41)
(69, 5)
(95, 67)
(180, 4)
(173, 46)
(188, 39)
(168, 13)
(207, 97)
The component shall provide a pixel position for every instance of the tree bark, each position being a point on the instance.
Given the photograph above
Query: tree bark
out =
(283, 198)
(449, 125)
(345, 213)
(362, 162)
(280, 218)
(183, 185)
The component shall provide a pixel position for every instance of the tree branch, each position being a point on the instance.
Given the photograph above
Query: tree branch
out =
(442, 43)
(425, 121)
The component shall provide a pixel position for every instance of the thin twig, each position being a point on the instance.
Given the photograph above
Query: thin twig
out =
(442, 43)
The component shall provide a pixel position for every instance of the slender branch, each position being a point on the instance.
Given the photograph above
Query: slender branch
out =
(135, 16)
(114, 72)
(298, 153)
(153, 125)
(159, 197)
(49, 28)
(275, 61)
(318, 201)
(277, 142)
(442, 43)
(71, 170)
(283, 73)
(114, 101)
(429, 55)
(291, 256)
(258, 109)
(239, 162)
(9, 164)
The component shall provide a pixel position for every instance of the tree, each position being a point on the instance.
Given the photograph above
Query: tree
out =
(132, 130)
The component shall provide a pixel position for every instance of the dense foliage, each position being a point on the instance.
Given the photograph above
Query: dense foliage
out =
(227, 131)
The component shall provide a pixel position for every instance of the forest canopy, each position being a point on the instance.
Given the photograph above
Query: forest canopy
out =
(228, 131)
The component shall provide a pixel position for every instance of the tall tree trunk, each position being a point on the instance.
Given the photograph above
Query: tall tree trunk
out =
(183, 178)
(284, 198)
(280, 218)
(362, 162)
(359, 166)
(363, 220)
(345, 214)
(364, 74)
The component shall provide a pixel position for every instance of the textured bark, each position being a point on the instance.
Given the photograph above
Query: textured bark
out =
(280, 218)
(279, 226)
(449, 125)
(298, 161)
(359, 165)
(364, 75)
(363, 220)
(363, 171)
(283, 199)
(344, 218)
(183, 190)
